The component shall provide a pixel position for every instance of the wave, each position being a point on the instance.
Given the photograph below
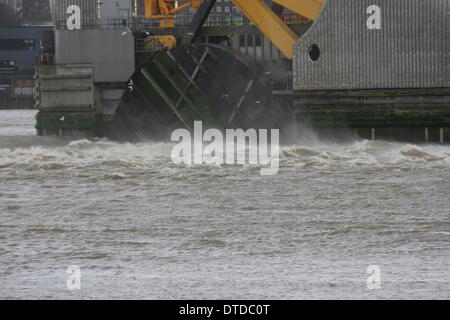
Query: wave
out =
(365, 152)
(49, 153)
(81, 153)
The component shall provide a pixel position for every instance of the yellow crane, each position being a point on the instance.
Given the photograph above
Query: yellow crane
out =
(165, 10)
(257, 11)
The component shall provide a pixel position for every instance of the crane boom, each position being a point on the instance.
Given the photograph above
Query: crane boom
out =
(307, 8)
(265, 19)
(272, 26)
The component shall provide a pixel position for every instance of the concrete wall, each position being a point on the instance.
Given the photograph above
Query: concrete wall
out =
(110, 51)
(411, 50)
(65, 87)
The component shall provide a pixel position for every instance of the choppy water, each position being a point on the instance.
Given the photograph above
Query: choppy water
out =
(141, 227)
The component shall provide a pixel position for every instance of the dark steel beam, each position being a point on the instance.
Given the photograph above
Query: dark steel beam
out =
(199, 19)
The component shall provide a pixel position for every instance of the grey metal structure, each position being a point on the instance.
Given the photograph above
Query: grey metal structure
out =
(80, 94)
(116, 8)
(110, 51)
(411, 50)
(376, 68)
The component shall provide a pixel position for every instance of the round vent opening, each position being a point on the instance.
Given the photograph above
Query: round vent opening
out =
(314, 52)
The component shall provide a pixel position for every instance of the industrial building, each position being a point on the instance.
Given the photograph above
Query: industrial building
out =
(377, 73)
(36, 12)
(20, 48)
(28, 12)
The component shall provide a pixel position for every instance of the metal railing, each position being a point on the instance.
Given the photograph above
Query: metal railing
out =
(181, 21)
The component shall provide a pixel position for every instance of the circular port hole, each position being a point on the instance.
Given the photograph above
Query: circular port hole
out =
(314, 52)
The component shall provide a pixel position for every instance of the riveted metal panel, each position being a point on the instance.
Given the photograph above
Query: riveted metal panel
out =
(411, 50)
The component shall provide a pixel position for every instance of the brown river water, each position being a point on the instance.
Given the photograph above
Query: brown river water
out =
(140, 227)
